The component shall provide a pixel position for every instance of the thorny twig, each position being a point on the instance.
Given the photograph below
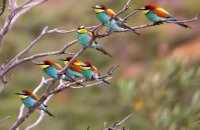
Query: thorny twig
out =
(117, 124)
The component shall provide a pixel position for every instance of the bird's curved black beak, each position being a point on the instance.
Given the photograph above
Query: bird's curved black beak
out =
(17, 93)
(62, 59)
(140, 9)
(39, 63)
(94, 7)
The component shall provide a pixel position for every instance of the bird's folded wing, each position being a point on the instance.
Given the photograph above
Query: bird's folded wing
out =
(35, 97)
(59, 67)
(161, 13)
(110, 12)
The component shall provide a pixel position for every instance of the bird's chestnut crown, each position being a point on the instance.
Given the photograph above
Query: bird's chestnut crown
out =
(47, 62)
(150, 7)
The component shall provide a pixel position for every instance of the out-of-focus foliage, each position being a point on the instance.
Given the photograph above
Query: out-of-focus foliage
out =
(152, 83)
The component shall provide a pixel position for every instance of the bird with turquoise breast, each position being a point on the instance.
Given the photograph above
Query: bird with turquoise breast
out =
(87, 71)
(103, 13)
(29, 99)
(53, 70)
(108, 17)
(90, 72)
(86, 39)
(159, 15)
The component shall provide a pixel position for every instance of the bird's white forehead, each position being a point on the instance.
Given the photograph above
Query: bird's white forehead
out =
(82, 26)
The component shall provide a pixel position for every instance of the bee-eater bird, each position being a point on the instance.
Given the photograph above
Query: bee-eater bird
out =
(104, 14)
(85, 38)
(53, 70)
(74, 69)
(29, 99)
(107, 17)
(90, 72)
(159, 15)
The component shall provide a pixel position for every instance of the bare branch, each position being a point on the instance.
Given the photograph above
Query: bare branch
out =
(4, 119)
(15, 62)
(126, 7)
(117, 124)
(14, 13)
(27, 8)
(130, 15)
(12, 4)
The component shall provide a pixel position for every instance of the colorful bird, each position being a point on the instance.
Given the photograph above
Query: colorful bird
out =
(90, 72)
(29, 99)
(53, 70)
(85, 38)
(104, 14)
(159, 15)
(118, 24)
(107, 17)
(74, 69)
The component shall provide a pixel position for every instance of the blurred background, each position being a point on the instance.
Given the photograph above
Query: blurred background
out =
(158, 79)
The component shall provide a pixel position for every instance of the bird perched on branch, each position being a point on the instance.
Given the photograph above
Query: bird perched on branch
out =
(53, 70)
(90, 72)
(159, 15)
(29, 99)
(86, 39)
(108, 17)
(83, 69)
(74, 69)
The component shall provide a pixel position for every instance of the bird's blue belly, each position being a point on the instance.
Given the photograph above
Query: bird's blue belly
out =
(52, 72)
(28, 102)
(153, 17)
(83, 39)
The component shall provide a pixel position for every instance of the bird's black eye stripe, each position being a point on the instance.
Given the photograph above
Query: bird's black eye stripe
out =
(84, 65)
(24, 94)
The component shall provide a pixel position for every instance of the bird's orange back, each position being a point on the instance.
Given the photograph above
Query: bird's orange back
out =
(158, 11)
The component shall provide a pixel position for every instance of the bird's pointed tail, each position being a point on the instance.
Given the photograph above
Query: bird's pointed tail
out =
(178, 22)
(49, 113)
(98, 47)
(183, 25)
(131, 30)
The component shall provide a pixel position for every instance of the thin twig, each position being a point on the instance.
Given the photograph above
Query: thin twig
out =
(3, 7)
(126, 7)
(4, 119)
(117, 124)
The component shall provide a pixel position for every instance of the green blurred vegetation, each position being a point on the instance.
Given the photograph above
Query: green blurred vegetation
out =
(160, 91)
